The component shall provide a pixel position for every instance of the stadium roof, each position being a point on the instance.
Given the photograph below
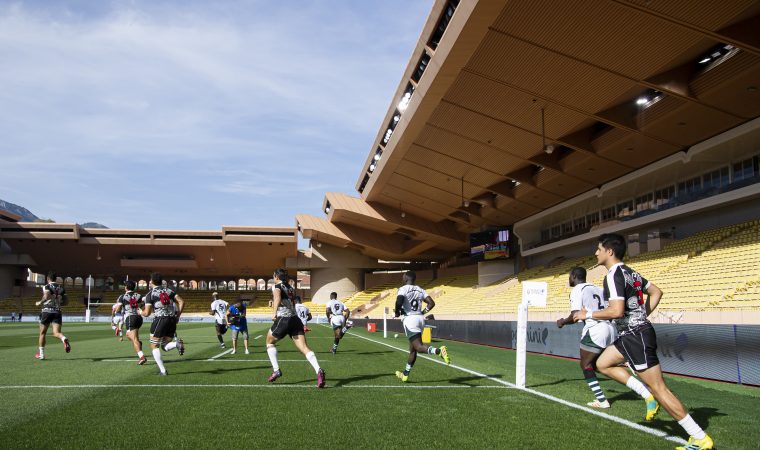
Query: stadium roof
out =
(507, 108)
(232, 253)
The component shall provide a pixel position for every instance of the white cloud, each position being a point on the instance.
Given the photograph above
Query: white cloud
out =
(97, 97)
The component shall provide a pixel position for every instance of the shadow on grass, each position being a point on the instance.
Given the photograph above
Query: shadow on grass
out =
(700, 415)
(552, 383)
(358, 378)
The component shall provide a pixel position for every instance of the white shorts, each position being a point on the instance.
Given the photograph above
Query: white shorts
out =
(117, 320)
(337, 321)
(599, 337)
(413, 325)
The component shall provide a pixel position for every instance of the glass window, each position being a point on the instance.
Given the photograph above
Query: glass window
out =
(592, 219)
(625, 208)
(567, 228)
(608, 213)
(579, 224)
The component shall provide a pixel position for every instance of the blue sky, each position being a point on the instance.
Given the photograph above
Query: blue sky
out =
(194, 115)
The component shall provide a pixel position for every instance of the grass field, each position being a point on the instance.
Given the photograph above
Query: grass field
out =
(98, 397)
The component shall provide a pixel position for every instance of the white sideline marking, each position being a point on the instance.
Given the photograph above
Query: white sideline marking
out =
(258, 337)
(277, 386)
(609, 417)
(133, 360)
(220, 354)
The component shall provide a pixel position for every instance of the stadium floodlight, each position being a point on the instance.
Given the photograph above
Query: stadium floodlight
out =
(372, 167)
(642, 101)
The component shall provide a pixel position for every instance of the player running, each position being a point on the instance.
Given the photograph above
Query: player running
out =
(303, 313)
(337, 314)
(219, 311)
(624, 289)
(238, 324)
(53, 297)
(596, 336)
(409, 301)
(162, 330)
(129, 303)
(117, 321)
(286, 322)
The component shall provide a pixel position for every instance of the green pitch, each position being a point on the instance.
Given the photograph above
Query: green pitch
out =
(98, 397)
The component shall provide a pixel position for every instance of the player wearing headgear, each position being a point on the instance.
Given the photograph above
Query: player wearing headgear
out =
(595, 337)
(337, 314)
(303, 313)
(624, 289)
(162, 300)
(53, 297)
(129, 303)
(238, 323)
(117, 321)
(409, 300)
(219, 311)
(287, 323)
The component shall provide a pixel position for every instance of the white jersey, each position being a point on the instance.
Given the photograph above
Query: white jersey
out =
(590, 297)
(302, 312)
(413, 299)
(219, 307)
(336, 307)
(119, 314)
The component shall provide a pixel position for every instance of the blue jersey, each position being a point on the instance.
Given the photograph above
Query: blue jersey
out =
(238, 323)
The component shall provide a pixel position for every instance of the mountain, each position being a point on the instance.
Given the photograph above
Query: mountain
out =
(26, 215)
(92, 225)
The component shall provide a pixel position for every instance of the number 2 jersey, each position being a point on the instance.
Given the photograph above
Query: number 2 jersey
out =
(589, 297)
(413, 299)
(162, 300)
(130, 303)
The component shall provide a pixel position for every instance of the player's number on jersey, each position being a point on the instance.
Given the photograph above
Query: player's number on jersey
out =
(599, 302)
(336, 307)
(164, 297)
(415, 304)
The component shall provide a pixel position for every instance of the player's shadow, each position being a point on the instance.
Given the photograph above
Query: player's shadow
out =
(627, 395)
(358, 378)
(551, 383)
(222, 371)
(700, 415)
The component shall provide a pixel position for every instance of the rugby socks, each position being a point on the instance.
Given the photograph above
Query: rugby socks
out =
(343, 331)
(433, 351)
(170, 346)
(159, 362)
(312, 358)
(593, 384)
(638, 387)
(140, 354)
(408, 369)
(691, 427)
(42, 351)
(63, 339)
(219, 336)
(272, 352)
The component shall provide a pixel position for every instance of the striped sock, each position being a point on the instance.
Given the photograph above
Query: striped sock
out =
(593, 384)
(407, 369)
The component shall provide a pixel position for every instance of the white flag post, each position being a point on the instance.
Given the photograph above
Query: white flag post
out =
(385, 323)
(534, 294)
(87, 313)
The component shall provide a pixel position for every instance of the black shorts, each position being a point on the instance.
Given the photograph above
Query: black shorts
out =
(163, 327)
(291, 326)
(221, 328)
(133, 322)
(47, 318)
(639, 348)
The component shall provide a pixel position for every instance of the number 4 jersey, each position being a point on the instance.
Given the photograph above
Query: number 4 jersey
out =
(162, 300)
(413, 299)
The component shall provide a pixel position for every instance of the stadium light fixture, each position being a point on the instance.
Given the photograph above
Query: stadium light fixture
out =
(372, 167)
(641, 101)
